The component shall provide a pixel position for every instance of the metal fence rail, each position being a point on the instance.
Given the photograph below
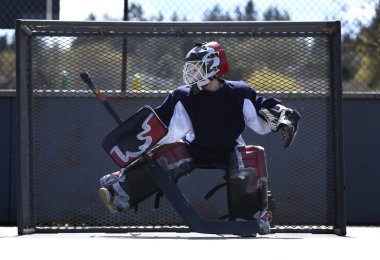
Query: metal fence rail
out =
(60, 124)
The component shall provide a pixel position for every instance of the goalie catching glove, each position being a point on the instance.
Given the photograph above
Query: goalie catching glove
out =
(283, 119)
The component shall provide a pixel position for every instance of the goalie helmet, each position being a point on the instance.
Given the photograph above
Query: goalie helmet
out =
(205, 62)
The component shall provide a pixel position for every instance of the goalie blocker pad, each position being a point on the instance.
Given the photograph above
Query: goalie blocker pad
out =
(134, 136)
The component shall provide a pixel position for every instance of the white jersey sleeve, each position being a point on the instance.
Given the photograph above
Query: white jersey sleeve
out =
(252, 120)
(179, 126)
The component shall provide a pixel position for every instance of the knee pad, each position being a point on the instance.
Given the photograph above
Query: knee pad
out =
(175, 159)
(135, 182)
(247, 182)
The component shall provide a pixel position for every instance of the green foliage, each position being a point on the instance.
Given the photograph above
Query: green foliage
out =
(361, 57)
(7, 63)
(135, 13)
(266, 79)
(273, 14)
(349, 59)
(216, 14)
(53, 63)
(369, 50)
(249, 13)
(7, 69)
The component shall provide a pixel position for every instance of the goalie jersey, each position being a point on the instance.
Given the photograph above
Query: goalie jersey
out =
(212, 122)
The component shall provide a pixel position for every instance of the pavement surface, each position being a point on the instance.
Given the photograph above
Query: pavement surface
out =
(360, 242)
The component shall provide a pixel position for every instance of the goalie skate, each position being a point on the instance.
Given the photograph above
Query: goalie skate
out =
(106, 197)
(263, 219)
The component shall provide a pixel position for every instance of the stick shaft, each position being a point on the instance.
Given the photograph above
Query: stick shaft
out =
(101, 97)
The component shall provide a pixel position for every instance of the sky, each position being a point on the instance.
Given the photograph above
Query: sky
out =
(355, 12)
(298, 9)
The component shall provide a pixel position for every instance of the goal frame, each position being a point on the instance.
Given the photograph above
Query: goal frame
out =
(27, 29)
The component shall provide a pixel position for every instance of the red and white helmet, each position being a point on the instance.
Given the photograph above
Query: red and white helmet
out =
(205, 62)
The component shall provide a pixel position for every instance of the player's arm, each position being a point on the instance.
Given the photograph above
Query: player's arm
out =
(276, 117)
(174, 115)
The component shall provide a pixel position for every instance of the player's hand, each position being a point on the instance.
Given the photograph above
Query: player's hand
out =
(288, 125)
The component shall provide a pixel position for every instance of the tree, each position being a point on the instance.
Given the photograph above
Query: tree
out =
(368, 48)
(174, 17)
(238, 14)
(273, 14)
(266, 79)
(135, 13)
(7, 63)
(3, 43)
(160, 17)
(250, 13)
(349, 58)
(91, 17)
(7, 69)
(216, 14)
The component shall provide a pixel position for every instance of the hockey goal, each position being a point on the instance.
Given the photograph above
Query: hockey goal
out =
(61, 124)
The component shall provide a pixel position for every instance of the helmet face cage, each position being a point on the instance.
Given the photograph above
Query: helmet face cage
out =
(195, 73)
(204, 62)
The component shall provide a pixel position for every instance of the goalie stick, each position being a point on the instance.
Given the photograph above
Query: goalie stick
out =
(85, 76)
(190, 216)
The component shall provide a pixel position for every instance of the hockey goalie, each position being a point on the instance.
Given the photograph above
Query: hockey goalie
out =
(200, 125)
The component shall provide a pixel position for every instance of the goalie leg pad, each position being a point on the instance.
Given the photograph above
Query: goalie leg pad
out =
(247, 183)
(133, 185)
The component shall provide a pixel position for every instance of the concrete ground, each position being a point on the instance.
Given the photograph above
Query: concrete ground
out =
(360, 242)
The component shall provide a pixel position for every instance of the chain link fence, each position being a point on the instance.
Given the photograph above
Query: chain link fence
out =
(360, 26)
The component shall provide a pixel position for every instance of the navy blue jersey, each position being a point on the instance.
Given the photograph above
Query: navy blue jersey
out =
(212, 122)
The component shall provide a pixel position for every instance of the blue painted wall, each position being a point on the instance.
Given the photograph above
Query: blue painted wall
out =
(361, 121)
(8, 179)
